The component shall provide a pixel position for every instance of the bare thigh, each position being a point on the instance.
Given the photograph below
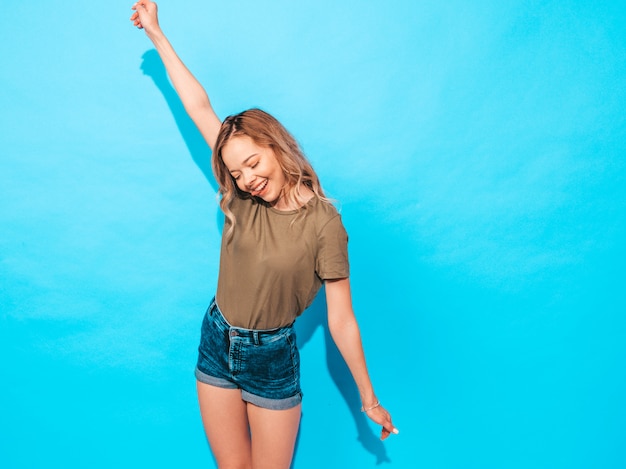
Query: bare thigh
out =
(226, 425)
(273, 436)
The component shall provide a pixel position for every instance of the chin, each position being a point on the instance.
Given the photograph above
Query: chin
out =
(270, 200)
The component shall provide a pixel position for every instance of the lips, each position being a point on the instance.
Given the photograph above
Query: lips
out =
(259, 188)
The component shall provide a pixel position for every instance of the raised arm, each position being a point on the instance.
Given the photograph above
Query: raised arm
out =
(345, 332)
(194, 98)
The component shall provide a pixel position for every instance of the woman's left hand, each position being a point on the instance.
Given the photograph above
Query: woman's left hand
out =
(381, 417)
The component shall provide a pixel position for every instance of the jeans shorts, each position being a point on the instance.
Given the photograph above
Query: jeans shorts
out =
(264, 364)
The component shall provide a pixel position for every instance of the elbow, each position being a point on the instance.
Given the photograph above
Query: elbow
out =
(198, 108)
(343, 326)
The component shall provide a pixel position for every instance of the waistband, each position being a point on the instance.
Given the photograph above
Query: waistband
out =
(256, 336)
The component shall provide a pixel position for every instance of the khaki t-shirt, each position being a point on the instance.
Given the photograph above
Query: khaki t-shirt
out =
(276, 261)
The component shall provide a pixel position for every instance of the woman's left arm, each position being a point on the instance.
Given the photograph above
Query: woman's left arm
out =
(345, 332)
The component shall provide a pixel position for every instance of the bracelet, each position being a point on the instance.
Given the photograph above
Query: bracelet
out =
(370, 408)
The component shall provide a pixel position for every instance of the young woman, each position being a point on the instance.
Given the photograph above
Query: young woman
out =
(282, 240)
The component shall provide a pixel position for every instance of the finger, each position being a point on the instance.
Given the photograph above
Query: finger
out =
(389, 428)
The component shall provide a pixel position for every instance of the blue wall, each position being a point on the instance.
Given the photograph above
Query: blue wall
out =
(478, 155)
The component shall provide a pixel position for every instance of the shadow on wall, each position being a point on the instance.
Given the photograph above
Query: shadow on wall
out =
(315, 316)
(198, 148)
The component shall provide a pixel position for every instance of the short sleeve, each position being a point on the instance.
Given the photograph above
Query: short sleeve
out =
(332, 254)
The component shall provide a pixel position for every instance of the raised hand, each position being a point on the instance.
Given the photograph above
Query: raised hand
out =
(145, 16)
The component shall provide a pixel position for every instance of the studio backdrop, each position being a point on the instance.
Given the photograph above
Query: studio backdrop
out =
(476, 151)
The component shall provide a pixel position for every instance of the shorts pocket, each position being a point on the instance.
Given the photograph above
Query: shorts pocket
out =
(275, 366)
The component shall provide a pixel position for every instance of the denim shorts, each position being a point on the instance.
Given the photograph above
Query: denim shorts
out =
(264, 364)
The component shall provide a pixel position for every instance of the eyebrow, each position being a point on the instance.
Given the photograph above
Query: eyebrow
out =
(243, 162)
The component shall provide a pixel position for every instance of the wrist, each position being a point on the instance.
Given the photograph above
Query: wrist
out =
(372, 407)
(154, 33)
(368, 401)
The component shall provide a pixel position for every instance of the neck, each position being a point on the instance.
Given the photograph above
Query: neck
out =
(301, 197)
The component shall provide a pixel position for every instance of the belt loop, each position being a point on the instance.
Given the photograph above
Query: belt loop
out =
(255, 334)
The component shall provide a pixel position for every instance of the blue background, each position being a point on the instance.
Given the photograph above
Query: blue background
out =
(477, 152)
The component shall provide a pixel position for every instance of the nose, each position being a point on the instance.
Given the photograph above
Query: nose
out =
(248, 179)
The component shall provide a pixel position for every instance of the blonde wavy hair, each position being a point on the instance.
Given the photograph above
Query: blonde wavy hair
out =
(265, 131)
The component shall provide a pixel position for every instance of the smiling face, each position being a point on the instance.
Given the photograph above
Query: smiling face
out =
(255, 169)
